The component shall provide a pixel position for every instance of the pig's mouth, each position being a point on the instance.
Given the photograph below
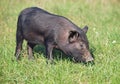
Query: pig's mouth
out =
(82, 60)
(78, 59)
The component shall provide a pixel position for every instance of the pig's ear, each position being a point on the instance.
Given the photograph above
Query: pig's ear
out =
(85, 29)
(73, 36)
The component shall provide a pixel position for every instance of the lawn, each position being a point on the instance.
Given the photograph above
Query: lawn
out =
(103, 20)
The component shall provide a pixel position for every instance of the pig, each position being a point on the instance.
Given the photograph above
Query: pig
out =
(38, 26)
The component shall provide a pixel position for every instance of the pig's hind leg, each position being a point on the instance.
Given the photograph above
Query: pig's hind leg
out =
(19, 41)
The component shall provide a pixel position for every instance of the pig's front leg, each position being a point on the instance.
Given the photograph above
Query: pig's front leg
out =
(49, 49)
(30, 47)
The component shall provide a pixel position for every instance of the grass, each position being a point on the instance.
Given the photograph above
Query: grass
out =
(103, 19)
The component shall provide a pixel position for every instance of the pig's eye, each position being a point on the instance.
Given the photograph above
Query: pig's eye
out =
(81, 46)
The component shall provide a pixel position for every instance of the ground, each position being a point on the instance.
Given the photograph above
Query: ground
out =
(103, 19)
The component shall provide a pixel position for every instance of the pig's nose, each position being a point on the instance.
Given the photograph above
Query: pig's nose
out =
(90, 59)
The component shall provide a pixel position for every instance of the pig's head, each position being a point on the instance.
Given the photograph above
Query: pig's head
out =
(79, 46)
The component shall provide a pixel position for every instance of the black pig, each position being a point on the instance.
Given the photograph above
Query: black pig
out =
(38, 26)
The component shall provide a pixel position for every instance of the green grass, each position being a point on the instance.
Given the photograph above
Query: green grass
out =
(103, 19)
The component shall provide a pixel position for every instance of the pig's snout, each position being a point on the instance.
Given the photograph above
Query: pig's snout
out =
(84, 60)
(89, 59)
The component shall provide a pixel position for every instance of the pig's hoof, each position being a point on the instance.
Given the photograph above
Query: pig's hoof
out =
(50, 62)
(31, 58)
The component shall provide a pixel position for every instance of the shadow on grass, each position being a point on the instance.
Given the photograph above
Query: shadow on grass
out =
(59, 55)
